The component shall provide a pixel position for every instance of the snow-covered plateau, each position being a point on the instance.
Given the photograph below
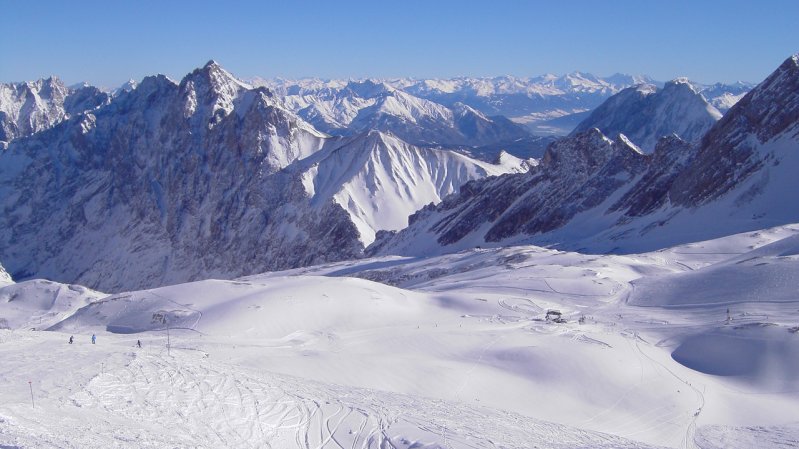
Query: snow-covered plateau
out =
(690, 346)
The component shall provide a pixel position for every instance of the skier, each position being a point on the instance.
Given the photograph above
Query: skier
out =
(70, 339)
(94, 338)
(138, 343)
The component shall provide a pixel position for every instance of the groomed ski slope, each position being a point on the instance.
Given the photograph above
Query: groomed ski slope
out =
(445, 352)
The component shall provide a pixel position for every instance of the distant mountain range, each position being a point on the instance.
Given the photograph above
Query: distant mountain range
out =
(457, 112)
(546, 105)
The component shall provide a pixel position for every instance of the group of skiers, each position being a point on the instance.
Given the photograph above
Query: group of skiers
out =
(94, 340)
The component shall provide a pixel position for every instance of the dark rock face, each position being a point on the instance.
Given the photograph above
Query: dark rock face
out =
(728, 153)
(85, 99)
(576, 174)
(672, 155)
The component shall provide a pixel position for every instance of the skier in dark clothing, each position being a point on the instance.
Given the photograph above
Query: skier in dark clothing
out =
(138, 343)
(94, 338)
(70, 339)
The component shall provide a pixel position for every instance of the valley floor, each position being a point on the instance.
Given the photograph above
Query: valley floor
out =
(695, 346)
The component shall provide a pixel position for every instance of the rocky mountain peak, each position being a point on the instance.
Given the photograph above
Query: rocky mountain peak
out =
(50, 88)
(208, 94)
(29, 107)
(645, 113)
(155, 89)
(682, 89)
(587, 148)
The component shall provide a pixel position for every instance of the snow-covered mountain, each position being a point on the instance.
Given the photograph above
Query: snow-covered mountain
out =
(205, 178)
(645, 113)
(546, 104)
(30, 107)
(724, 96)
(601, 195)
(359, 106)
(380, 180)
(518, 97)
(127, 86)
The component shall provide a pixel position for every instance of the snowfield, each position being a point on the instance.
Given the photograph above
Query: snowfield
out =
(694, 346)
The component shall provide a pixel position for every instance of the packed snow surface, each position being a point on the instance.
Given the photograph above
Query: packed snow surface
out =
(691, 346)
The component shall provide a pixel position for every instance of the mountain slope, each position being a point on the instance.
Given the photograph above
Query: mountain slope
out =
(645, 114)
(576, 174)
(739, 177)
(379, 180)
(39, 304)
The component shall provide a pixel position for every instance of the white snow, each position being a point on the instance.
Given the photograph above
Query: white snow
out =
(379, 180)
(38, 304)
(457, 353)
(5, 278)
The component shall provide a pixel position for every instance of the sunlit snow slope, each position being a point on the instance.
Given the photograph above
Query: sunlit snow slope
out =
(452, 351)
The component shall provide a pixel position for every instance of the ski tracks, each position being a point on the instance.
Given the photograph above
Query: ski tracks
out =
(197, 402)
(209, 405)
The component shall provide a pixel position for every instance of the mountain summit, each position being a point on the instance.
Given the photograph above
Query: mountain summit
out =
(27, 108)
(645, 113)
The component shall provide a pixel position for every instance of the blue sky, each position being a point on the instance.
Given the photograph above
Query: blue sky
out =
(108, 42)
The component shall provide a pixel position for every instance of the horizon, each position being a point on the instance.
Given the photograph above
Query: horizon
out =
(178, 78)
(107, 45)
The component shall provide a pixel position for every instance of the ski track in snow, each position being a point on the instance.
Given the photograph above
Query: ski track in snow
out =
(188, 400)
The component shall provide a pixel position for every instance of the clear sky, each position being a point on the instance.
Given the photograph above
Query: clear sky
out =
(107, 42)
